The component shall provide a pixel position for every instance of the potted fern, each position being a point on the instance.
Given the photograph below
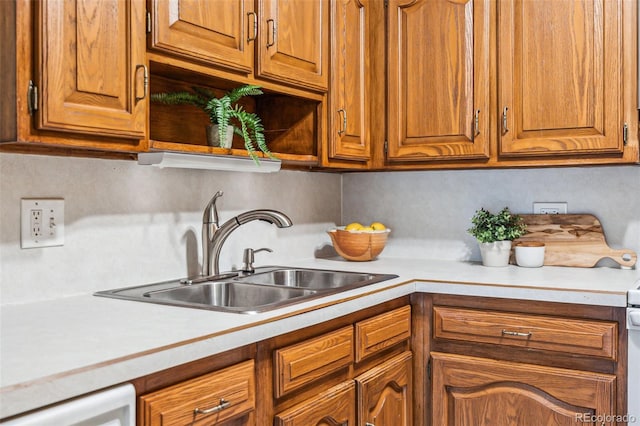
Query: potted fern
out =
(494, 233)
(225, 115)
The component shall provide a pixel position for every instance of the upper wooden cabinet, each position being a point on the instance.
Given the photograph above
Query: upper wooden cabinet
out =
(350, 89)
(438, 80)
(510, 83)
(90, 63)
(294, 42)
(282, 41)
(78, 76)
(206, 31)
(560, 74)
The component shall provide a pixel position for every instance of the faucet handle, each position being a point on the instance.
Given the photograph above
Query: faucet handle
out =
(247, 259)
(210, 214)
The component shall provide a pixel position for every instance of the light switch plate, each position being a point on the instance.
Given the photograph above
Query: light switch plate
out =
(41, 222)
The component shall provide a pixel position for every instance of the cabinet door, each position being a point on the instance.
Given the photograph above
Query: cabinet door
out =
(90, 60)
(559, 76)
(224, 397)
(384, 393)
(349, 119)
(438, 80)
(333, 407)
(477, 391)
(219, 32)
(294, 42)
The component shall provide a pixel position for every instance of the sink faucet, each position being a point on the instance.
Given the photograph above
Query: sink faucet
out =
(214, 235)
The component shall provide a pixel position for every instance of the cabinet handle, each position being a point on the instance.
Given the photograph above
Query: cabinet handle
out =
(223, 404)
(255, 25)
(273, 32)
(505, 129)
(515, 333)
(145, 81)
(343, 129)
(476, 123)
(369, 424)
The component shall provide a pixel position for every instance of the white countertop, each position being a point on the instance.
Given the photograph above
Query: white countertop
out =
(55, 350)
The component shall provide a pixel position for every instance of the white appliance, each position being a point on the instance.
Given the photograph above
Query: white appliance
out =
(633, 372)
(113, 407)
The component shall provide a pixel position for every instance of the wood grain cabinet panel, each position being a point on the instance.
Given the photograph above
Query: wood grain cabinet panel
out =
(560, 73)
(349, 120)
(91, 64)
(302, 363)
(206, 31)
(574, 336)
(438, 80)
(385, 393)
(294, 42)
(382, 331)
(470, 391)
(211, 399)
(335, 406)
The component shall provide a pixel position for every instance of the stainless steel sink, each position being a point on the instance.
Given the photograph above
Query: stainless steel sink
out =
(266, 289)
(232, 296)
(311, 278)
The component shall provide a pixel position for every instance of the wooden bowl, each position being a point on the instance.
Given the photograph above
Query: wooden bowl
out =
(358, 246)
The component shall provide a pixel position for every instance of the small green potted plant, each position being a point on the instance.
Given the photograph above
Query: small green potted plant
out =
(225, 115)
(494, 233)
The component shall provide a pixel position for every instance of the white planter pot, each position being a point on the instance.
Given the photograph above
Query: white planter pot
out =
(495, 253)
(213, 136)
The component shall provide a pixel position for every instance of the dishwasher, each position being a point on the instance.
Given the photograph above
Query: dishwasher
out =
(112, 407)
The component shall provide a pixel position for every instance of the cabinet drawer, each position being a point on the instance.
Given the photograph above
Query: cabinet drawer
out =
(575, 336)
(217, 397)
(382, 331)
(304, 362)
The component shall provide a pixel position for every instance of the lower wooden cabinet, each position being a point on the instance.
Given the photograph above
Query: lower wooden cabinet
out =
(384, 393)
(524, 363)
(357, 374)
(381, 395)
(477, 391)
(223, 397)
(333, 407)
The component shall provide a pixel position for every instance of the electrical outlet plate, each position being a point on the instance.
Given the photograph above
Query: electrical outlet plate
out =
(550, 208)
(42, 222)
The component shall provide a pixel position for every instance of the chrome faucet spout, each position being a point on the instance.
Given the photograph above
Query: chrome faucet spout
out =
(275, 217)
(214, 235)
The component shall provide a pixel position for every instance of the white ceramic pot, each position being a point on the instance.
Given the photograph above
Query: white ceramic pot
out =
(530, 254)
(496, 253)
(213, 136)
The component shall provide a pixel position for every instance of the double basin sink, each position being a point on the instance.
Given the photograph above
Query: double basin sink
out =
(266, 289)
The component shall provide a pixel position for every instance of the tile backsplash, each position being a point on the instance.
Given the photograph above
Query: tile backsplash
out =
(127, 224)
(429, 212)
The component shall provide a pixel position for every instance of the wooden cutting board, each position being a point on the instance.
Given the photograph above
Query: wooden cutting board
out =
(573, 240)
